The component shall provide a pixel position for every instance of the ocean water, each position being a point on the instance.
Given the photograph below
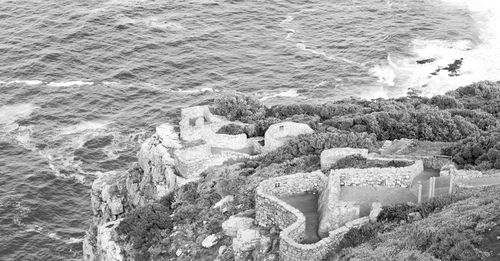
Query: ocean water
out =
(82, 83)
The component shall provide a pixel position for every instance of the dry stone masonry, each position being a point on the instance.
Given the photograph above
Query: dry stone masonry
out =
(271, 211)
(388, 177)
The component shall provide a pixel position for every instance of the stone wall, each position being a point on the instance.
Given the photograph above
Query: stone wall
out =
(430, 162)
(388, 177)
(271, 211)
(333, 212)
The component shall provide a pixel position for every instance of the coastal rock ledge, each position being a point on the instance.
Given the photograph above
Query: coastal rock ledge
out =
(166, 161)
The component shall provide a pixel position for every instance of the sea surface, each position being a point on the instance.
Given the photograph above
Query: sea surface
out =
(82, 83)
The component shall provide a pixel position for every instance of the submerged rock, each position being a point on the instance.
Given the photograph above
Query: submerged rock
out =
(424, 61)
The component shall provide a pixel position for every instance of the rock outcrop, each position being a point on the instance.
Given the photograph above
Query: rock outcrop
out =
(101, 245)
(166, 161)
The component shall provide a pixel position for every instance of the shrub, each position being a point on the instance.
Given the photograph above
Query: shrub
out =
(143, 227)
(483, 95)
(481, 119)
(479, 150)
(239, 107)
(357, 236)
(314, 144)
(445, 102)
(324, 111)
(399, 212)
(232, 129)
(359, 162)
(424, 123)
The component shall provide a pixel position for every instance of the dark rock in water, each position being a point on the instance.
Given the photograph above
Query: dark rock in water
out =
(430, 60)
(452, 68)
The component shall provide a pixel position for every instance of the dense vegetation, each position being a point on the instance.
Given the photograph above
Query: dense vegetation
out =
(360, 162)
(479, 150)
(468, 113)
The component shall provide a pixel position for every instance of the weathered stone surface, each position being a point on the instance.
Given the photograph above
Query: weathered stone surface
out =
(331, 156)
(108, 196)
(467, 174)
(234, 224)
(103, 247)
(333, 212)
(375, 212)
(279, 133)
(210, 241)
(222, 204)
(198, 123)
(156, 161)
(356, 223)
(191, 162)
(246, 241)
(388, 177)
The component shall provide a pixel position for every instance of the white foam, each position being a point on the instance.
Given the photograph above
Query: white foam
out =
(11, 113)
(70, 83)
(480, 61)
(84, 126)
(27, 82)
(289, 93)
(109, 83)
(201, 90)
(157, 23)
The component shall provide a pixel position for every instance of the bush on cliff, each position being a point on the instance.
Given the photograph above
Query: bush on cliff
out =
(484, 95)
(323, 111)
(314, 144)
(445, 102)
(145, 227)
(238, 107)
(482, 151)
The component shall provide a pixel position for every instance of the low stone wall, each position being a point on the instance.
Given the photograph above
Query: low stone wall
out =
(430, 162)
(271, 211)
(388, 177)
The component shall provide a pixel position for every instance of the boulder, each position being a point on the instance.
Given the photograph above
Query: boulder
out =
(210, 241)
(234, 224)
(278, 134)
(375, 212)
(246, 241)
(224, 202)
(331, 156)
